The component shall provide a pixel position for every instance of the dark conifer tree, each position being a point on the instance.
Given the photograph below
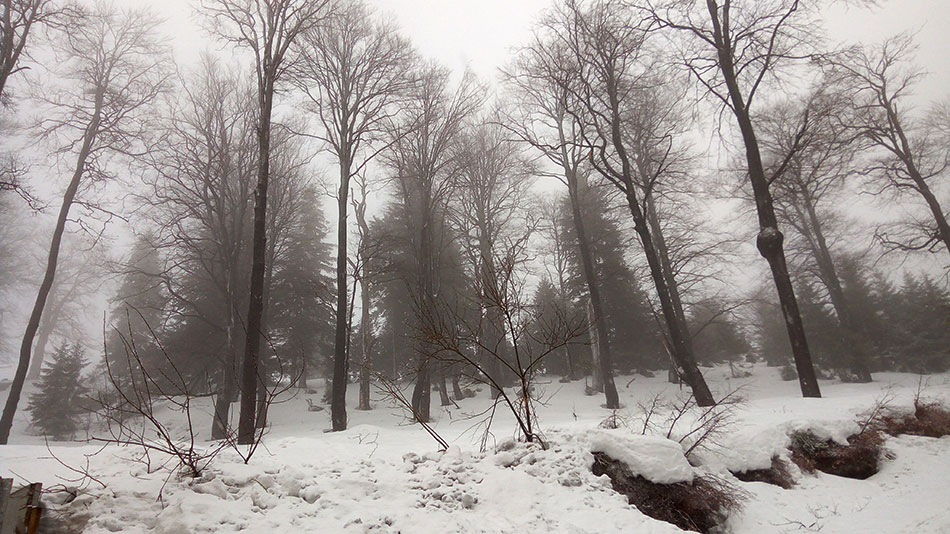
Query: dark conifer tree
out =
(57, 404)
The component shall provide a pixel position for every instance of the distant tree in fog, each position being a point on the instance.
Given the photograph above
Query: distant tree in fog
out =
(60, 397)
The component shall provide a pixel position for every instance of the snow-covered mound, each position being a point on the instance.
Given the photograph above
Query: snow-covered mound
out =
(654, 458)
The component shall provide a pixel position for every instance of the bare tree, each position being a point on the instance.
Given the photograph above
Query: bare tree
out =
(731, 49)
(607, 52)
(541, 119)
(556, 249)
(366, 249)
(459, 338)
(200, 201)
(267, 29)
(489, 200)
(807, 191)
(912, 154)
(20, 17)
(355, 70)
(115, 68)
(79, 276)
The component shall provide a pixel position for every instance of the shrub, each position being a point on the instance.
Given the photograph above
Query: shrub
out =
(859, 459)
(788, 373)
(928, 419)
(700, 506)
(776, 474)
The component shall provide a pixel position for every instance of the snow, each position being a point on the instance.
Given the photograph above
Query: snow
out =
(384, 475)
(655, 458)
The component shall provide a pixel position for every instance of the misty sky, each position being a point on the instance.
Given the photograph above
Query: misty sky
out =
(480, 35)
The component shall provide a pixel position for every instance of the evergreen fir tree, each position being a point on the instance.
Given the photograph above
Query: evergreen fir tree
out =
(56, 406)
(632, 330)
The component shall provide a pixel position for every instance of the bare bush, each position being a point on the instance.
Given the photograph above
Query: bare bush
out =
(147, 401)
(528, 338)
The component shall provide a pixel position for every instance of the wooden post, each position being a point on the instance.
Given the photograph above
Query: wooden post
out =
(19, 510)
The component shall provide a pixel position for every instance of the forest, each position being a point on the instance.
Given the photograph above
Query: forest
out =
(662, 230)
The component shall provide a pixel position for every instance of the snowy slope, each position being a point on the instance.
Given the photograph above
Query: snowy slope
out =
(383, 475)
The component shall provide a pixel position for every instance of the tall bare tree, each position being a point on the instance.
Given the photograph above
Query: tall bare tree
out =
(200, 202)
(809, 188)
(732, 48)
(490, 196)
(268, 29)
(355, 70)
(540, 118)
(115, 68)
(607, 51)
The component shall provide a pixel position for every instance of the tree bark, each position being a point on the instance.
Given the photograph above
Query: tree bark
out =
(456, 388)
(338, 385)
(365, 342)
(16, 388)
(255, 309)
(47, 324)
(769, 240)
(596, 368)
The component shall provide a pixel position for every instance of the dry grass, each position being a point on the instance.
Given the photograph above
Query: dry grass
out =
(699, 506)
(928, 419)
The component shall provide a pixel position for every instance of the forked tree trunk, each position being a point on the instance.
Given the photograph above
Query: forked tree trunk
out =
(679, 332)
(852, 339)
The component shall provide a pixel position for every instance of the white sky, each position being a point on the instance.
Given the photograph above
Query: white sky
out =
(480, 35)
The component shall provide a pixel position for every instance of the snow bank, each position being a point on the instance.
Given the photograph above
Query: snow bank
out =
(656, 459)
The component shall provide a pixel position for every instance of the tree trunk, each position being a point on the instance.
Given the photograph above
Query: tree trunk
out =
(227, 390)
(422, 391)
(456, 388)
(597, 323)
(338, 385)
(16, 388)
(255, 308)
(597, 380)
(39, 351)
(769, 240)
(679, 333)
(365, 342)
(443, 390)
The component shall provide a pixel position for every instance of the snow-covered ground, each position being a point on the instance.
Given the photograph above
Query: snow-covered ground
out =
(384, 475)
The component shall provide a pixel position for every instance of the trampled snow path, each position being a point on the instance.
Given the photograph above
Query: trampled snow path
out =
(384, 476)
